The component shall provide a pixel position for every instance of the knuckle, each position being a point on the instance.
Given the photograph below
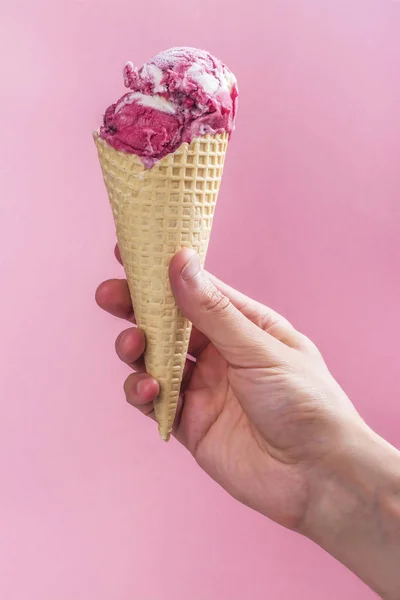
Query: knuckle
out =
(269, 320)
(129, 386)
(214, 301)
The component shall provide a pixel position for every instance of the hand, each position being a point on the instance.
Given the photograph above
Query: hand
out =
(259, 410)
(263, 416)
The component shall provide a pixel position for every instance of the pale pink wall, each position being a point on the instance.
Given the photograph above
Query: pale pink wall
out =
(92, 504)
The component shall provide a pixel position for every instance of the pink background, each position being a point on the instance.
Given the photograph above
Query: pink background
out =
(92, 504)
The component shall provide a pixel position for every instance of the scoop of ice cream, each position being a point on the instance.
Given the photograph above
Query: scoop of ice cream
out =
(178, 95)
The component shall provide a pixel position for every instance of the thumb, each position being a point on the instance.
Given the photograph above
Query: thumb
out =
(240, 341)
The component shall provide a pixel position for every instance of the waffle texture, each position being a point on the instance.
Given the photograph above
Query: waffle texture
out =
(157, 212)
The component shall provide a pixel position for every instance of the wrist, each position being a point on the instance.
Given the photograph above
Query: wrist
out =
(354, 508)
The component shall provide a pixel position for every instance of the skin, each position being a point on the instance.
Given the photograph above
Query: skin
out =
(263, 416)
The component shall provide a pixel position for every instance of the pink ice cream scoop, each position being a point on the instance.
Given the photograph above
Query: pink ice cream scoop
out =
(178, 95)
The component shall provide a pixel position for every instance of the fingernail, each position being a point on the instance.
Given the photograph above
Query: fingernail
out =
(139, 386)
(192, 268)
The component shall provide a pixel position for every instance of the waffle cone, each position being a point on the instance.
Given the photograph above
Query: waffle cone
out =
(157, 212)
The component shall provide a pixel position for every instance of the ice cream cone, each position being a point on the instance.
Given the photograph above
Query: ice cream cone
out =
(157, 212)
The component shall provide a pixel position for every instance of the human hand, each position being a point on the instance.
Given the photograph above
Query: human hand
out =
(259, 410)
(263, 416)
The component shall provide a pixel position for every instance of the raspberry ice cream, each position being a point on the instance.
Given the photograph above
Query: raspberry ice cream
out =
(180, 94)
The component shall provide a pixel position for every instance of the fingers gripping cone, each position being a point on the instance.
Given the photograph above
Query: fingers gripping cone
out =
(157, 212)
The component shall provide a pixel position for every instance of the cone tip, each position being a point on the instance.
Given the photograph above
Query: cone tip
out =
(165, 434)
